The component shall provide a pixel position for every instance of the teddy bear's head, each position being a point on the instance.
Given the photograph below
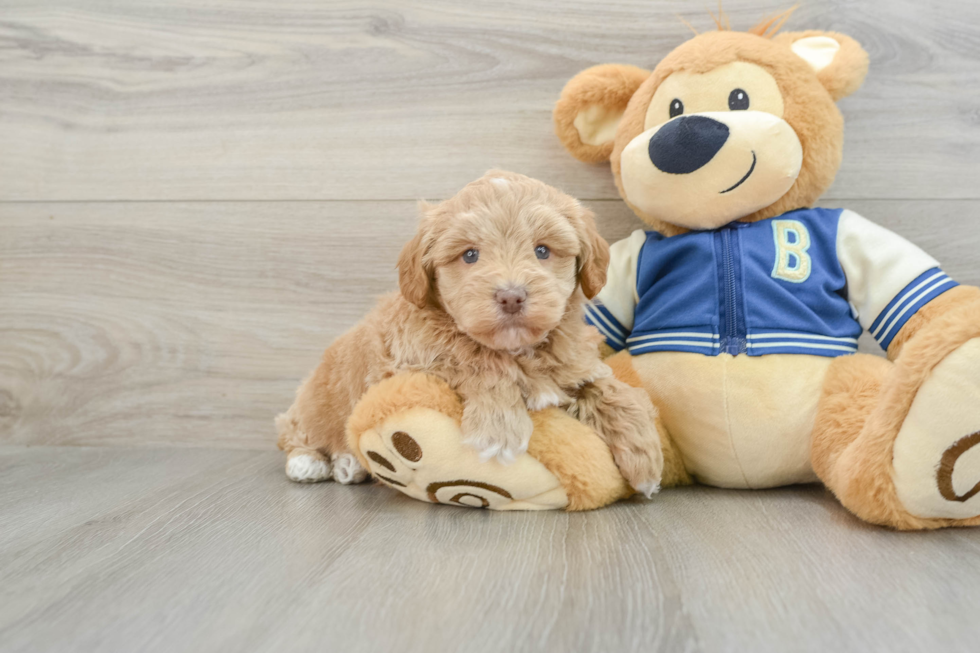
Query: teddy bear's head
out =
(729, 126)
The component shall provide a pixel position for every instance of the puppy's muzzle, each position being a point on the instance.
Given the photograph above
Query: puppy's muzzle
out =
(511, 300)
(686, 144)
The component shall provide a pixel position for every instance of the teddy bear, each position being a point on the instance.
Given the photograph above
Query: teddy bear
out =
(739, 308)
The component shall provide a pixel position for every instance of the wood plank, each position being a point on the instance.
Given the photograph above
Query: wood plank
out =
(190, 324)
(229, 555)
(297, 99)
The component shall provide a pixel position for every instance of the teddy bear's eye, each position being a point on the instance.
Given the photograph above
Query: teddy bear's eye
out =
(738, 100)
(677, 108)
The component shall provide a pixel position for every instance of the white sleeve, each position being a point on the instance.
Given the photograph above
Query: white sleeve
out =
(888, 278)
(612, 310)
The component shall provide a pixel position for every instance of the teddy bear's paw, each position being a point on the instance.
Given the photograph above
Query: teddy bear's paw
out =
(936, 455)
(308, 468)
(346, 469)
(420, 452)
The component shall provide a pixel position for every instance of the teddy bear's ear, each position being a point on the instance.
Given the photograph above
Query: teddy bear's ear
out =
(590, 107)
(839, 61)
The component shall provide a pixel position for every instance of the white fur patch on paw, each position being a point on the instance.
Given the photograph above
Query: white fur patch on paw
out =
(505, 455)
(648, 489)
(304, 468)
(543, 400)
(347, 469)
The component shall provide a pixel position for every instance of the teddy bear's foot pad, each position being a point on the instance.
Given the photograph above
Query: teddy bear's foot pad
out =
(936, 456)
(420, 452)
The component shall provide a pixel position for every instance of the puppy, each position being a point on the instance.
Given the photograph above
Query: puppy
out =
(492, 287)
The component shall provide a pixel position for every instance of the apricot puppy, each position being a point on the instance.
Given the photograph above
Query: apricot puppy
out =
(492, 288)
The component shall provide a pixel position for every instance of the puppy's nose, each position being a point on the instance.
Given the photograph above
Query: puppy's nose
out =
(510, 300)
(686, 144)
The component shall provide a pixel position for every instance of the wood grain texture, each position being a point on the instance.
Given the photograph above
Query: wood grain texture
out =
(218, 99)
(176, 550)
(152, 305)
(191, 324)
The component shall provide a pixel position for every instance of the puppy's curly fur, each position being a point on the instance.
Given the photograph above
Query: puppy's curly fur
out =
(502, 324)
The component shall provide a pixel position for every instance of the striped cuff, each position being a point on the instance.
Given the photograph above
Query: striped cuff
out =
(599, 316)
(923, 289)
(761, 343)
(697, 341)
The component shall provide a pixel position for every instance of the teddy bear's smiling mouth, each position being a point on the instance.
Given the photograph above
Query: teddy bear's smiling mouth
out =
(742, 180)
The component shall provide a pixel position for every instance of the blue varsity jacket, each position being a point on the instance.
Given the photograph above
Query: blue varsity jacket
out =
(805, 282)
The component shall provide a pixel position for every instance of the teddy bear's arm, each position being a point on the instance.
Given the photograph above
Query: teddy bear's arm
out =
(960, 305)
(892, 285)
(612, 310)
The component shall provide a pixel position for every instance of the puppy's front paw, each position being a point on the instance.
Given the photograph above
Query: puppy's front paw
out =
(545, 394)
(624, 417)
(642, 469)
(542, 400)
(648, 489)
(504, 438)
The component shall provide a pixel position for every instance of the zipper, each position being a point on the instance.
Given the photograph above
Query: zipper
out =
(732, 324)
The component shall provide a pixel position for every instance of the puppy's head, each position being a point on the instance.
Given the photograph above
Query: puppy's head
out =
(503, 258)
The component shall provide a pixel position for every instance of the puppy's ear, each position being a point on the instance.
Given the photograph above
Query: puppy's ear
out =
(838, 60)
(591, 106)
(414, 279)
(593, 261)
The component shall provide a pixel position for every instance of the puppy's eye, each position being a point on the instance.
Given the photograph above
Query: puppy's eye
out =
(471, 255)
(676, 108)
(738, 100)
(542, 252)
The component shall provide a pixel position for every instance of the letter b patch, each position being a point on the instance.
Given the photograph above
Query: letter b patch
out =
(792, 241)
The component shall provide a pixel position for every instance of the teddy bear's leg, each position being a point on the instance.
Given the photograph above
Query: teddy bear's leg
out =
(851, 391)
(936, 457)
(406, 431)
(896, 441)
(674, 473)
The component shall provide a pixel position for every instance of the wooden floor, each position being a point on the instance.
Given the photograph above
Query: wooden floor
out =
(199, 550)
(197, 196)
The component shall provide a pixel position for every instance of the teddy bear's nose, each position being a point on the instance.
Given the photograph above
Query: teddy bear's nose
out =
(687, 143)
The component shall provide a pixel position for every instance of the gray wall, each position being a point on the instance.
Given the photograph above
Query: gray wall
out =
(197, 196)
